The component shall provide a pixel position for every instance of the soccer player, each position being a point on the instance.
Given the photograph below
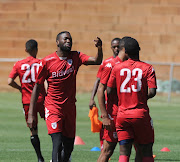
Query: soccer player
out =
(27, 70)
(109, 136)
(60, 69)
(115, 50)
(135, 82)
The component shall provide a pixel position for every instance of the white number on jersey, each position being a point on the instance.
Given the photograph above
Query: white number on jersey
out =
(127, 79)
(30, 72)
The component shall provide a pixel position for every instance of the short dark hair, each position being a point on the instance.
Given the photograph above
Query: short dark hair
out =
(31, 45)
(116, 39)
(131, 45)
(57, 37)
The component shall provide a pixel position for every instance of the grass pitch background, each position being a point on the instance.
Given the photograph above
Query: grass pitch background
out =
(15, 136)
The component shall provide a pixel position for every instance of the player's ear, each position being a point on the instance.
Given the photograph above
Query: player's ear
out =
(57, 43)
(26, 50)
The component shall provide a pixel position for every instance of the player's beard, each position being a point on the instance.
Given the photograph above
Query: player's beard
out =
(65, 48)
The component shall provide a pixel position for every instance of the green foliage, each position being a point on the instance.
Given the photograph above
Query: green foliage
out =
(15, 137)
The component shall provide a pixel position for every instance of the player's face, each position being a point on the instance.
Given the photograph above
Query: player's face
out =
(65, 42)
(115, 47)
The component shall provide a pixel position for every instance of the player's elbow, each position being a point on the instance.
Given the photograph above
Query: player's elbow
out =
(152, 92)
(10, 80)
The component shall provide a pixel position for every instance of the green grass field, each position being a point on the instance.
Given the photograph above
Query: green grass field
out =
(15, 137)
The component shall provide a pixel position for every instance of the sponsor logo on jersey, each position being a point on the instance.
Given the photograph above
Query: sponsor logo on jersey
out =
(69, 61)
(62, 72)
(108, 65)
(54, 125)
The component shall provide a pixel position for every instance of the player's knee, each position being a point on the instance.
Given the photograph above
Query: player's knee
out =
(107, 151)
(57, 140)
(146, 149)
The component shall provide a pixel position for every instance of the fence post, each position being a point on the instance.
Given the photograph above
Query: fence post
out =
(170, 81)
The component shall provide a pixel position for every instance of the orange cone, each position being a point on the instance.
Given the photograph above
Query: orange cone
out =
(165, 149)
(78, 141)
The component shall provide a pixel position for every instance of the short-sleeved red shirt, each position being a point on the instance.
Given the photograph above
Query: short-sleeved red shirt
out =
(60, 73)
(112, 100)
(27, 70)
(102, 66)
(132, 79)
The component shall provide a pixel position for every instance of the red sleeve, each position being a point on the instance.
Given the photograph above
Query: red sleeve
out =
(83, 58)
(106, 73)
(151, 78)
(99, 71)
(112, 79)
(42, 73)
(14, 73)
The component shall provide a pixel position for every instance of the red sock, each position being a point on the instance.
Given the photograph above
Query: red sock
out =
(123, 158)
(148, 159)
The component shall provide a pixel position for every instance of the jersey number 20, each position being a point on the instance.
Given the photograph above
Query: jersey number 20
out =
(136, 86)
(31, 71)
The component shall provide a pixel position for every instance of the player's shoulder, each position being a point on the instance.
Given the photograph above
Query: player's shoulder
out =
(145, 64)
(49, 57)
(108, 60)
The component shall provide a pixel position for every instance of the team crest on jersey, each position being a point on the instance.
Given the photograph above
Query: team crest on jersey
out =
(69, 61)
(54, 125)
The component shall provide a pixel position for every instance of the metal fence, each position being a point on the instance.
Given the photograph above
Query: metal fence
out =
(168, 78)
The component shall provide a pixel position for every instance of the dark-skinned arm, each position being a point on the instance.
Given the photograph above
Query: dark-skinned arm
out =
(101, 99)
(151, 92)
(34, 98)
(94, 91)
(99, 56)
(13, 84)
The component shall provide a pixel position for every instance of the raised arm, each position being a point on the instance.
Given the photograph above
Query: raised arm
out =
(99, 56)
(13, 84)
(94, 91)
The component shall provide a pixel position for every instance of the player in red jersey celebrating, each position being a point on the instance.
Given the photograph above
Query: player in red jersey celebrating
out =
(27, 70)
(60, 69)
(136, 83)
(115, 50)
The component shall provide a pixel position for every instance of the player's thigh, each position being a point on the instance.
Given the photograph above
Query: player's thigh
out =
(26, 110)
(69, 123)
(111, 135)
(144, 131)
(124, 129)
(54, 119)
(41, 109)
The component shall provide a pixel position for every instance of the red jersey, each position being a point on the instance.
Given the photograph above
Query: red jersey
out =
(112, 100)
(27, 70)
(60, 73)
(102, 66)
(132, 79)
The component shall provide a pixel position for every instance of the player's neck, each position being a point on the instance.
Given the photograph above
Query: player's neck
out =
(62, 53)
(32, 55)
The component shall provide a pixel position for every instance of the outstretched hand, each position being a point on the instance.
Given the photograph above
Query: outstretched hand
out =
(98, 42)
